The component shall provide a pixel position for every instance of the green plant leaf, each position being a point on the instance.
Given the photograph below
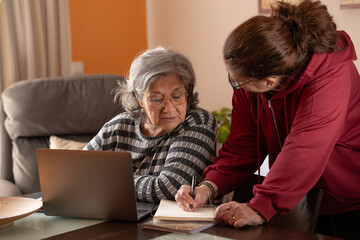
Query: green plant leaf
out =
(223, 120)
(225, 111)
(222, 134)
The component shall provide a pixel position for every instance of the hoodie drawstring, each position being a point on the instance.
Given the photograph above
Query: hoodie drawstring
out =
(258, 135)
(286, 119)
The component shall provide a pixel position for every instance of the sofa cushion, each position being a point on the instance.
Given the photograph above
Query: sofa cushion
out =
(62, 143)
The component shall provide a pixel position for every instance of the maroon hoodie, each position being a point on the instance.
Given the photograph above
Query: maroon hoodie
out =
(311, 132)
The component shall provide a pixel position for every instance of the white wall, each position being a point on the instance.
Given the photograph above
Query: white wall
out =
(198, 29)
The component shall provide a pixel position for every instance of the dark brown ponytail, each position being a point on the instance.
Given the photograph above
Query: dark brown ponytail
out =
(279, 44)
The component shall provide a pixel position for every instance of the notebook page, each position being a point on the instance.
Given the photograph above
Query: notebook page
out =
(169, 210)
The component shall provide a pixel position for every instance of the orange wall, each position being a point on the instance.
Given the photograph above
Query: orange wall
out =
(107, 34)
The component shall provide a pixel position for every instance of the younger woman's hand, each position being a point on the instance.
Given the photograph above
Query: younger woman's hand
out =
(238, 215)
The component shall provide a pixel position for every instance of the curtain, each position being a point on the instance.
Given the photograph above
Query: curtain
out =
(35, 40)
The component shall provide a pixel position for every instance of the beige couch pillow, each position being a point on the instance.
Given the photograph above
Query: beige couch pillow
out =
(62, 143)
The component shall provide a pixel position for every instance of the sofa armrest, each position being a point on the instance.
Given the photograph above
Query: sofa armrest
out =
(5, 150)
(8, 189)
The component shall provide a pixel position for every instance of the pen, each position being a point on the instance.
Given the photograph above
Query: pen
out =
(193, 183)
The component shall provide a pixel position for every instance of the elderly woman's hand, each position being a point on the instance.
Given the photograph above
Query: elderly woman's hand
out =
(184, 199)
(238, 215)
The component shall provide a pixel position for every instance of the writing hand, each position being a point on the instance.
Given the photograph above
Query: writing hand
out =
(184, 199)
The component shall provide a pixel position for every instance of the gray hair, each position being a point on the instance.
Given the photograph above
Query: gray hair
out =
(146, 69)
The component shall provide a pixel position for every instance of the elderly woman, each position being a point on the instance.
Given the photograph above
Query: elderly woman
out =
(169, 138)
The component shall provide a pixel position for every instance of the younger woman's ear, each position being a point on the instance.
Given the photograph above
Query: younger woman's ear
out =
(270, 81)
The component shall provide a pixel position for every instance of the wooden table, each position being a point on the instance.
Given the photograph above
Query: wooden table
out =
(39, 226)
(133, 230)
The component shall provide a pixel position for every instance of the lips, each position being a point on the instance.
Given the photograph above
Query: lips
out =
(169, 119)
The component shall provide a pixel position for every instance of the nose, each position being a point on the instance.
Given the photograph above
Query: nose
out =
(169, 106)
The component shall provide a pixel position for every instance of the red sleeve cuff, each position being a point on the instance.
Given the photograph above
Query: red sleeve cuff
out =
(220, 180)
(263, 205)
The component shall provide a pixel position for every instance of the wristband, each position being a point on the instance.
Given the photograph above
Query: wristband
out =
(212, 190)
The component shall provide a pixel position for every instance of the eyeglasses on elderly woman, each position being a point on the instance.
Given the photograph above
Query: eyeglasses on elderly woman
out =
(157, 102)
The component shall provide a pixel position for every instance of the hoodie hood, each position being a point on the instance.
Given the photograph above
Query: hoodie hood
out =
(321, 63)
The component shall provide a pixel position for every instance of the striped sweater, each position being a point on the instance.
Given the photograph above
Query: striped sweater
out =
(161, 164)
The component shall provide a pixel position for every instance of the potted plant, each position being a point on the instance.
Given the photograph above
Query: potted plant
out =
(223, 119)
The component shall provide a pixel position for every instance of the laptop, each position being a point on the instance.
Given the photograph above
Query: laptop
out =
(89, 184)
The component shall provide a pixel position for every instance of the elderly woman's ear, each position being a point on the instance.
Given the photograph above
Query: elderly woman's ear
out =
(138, 98)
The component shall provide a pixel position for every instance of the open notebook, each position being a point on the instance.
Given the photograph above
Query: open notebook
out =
(169, 217)
(89, 184)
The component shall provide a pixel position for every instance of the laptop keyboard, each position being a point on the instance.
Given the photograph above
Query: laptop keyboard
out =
(144, 209)
(140, 211)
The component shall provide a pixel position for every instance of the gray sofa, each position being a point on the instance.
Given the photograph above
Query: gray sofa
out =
(33, 110)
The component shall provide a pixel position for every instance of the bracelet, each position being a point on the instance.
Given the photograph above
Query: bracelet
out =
(212, 190)
(210, 201)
